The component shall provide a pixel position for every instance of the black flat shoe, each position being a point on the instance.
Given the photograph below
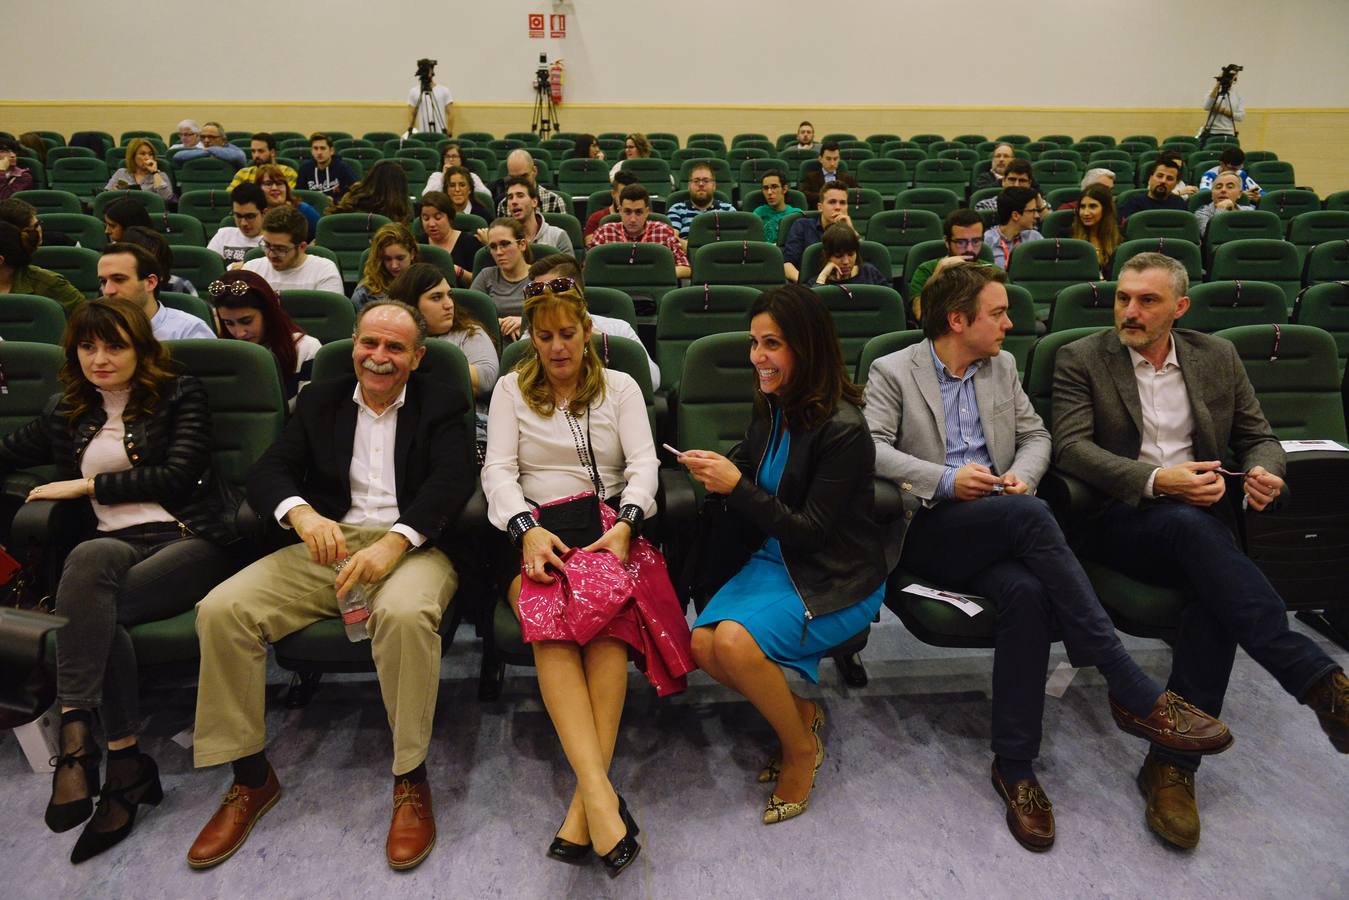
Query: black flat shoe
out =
(625, 851)
(146, 790)
(851, 668)
(65, 816)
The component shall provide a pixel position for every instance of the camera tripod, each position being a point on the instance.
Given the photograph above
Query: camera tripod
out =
(544, 120)
(429, 111)
(1223, 98)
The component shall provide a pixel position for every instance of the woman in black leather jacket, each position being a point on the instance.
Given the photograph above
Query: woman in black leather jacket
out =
(135, 439)
(796, 496)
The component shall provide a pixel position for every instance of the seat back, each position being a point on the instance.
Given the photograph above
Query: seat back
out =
(206, 206)
(31, 319)
(1025, 325)
(85, 230)
(1326, 306)
(883, 345)
(610, 302)
(583, 176)
(1087, 305)
(1055, 173)
(203, 174)
(1328, 261)
(347, 235)
(149, 199)
(1241, 224)
(812, 260)
(1288, 203)
(1308, 229)
(1258, 260)
(1273, 174)
(1057, 224)
(863, 203)
(1047, 266)
(939, 201)
(645, 272)
(326, 315)
(716, 393)
(1294, 370)
(1216, 305)
(198, 265)
(860, 312)
(753, 263)
(898, 230)
(689, 313)
(1180, 249)
(750, 175)
(948, 174)
(1163, 223)
(179, 230)
(83, 176)
(78, 264)
(886, 176)
(652, 173)
(45, 201)
(31, 378)
(194, 306)
(1039, 375)
(710, 227)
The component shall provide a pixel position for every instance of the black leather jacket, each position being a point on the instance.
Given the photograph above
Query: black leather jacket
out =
(170, 454)
(822, 511)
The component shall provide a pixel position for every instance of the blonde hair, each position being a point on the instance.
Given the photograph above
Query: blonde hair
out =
(375, 279)
(132, 148)
(534, 387)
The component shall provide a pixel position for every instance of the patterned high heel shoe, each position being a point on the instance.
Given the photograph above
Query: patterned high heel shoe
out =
(82, 754)
(625, 851)
(773, 771)
(779, 810)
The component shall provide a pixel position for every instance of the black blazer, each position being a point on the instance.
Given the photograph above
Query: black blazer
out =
(434, 466)
(170, 454)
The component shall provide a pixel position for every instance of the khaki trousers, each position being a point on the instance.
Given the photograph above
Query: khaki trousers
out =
(285, 591)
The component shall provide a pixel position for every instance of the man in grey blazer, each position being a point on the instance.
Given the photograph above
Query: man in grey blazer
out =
(1144, 414)
(956, 432)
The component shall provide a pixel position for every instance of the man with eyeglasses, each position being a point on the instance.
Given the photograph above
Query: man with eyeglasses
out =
(285, 265)
(189, 136)
(263, 147)
(212, 143)
(1017, 174)
(232, 243)
(702, 198)
(963, 231)
(1018, 209)
(775, 207)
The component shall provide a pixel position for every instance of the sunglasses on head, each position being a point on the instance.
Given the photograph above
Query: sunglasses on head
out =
(217, 288)
(554, 285)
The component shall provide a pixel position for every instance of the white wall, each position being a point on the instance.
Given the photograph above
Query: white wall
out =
(1121, 53)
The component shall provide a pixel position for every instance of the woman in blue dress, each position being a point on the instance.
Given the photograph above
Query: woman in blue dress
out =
(799, 488)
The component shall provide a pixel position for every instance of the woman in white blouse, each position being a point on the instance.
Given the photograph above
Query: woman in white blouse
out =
(565, 433)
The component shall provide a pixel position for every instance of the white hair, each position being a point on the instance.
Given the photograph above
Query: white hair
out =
(1095, 175)
(190, 124)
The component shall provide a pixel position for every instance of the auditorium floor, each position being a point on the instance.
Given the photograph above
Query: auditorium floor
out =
(902, 808)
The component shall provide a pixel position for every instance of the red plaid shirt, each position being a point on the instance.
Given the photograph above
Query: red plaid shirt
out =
(657, 232)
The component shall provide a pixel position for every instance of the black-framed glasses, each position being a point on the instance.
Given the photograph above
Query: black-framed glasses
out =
(277, 249)
(559, 285)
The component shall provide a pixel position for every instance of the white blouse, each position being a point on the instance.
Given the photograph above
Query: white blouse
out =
(107, 453)
(535, 457)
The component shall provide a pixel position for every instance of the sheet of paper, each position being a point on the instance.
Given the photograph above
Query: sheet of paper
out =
(963, 602)
(1059, 679)
(1304, 446)
(183, 739)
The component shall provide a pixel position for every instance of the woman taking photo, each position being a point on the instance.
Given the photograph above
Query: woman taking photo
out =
(504, 280)
(383, 191)
(392, 250)
(425, 287)
(276, 188)
(436, 211)
(248, 309)
(453, 158)
(141, 171)
(567, 433)
(796, 497)
(1096, 223)
(135, 439)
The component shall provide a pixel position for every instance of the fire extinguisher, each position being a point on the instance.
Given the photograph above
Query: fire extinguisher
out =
(555, 81)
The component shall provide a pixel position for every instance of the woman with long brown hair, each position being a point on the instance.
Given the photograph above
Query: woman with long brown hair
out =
(392, 250)
(383, 191)
(437, 213)
(1097, 224)
(133, 438)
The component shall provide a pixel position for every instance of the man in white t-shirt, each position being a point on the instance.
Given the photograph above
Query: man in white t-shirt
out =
(286, 265)
(233, 243)
(422, 119)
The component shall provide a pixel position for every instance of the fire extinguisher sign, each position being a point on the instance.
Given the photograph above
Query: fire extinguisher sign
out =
(557, 25)
(536, 25)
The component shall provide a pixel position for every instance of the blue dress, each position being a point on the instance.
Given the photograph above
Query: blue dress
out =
(762, 599)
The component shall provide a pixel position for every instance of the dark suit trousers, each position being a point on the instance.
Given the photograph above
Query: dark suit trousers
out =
(1185, 546)
(1011, 550)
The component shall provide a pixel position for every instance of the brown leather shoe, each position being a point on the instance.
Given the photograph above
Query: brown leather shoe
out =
(1329, 699)
(1172, 810)
(1176, 724)
(412, 831)
(1030, 815)
(228, 829)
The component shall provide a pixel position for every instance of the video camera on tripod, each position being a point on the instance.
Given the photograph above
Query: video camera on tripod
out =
(426, 70)
(1227, 76)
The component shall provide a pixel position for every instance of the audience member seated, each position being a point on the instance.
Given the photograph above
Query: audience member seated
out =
(702, 198)
(233, 242)
(459, 182)
(18, 243)
(212, 143)
(1192, 407)
(1003, 154)
(824, 171)
(587, 147)
(561, 266)
(794, 562)
(121, 214)
(131, 272)
(522, 204)
(504, 281)
(1018, 209)
(635, 146)
(840, 248)
(1095, 223)
(331, 477)
(189, 136)
(157, 244)
(1163, 174)
(284, 264)
(436, 211)
(807, 230)
(263, 148)
(520, 165)
(560, 405)
(972, 522)
(280, 195)
(248, 309)
(1233, 159)
(323, 171)
(1018, 174)
(805, 138)
(1091, 176)
(141, 171)
(33, 141)
(13, 177)
(424, 286)
(637, 226)
(383, 191)
(963, 231)
(1227, 196)
(392, 250)
(452, 157)
(775, 207)
(134, 439)
(593, 221)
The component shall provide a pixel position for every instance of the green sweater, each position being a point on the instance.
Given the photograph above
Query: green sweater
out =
(46, 283)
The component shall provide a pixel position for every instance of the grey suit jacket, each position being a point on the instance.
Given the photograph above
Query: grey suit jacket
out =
(1098, 418)
(908, 424)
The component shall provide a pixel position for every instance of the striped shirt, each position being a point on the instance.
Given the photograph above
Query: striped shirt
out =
(965, 442)
(682, 214)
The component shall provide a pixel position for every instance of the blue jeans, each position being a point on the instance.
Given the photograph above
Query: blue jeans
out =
(1235, 605)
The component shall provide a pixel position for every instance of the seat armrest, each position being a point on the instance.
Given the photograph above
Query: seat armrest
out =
(1067, 495)
(679, 506)
(473, 517)
(889, 505)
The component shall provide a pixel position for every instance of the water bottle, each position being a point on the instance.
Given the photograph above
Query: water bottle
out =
(355, 609)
